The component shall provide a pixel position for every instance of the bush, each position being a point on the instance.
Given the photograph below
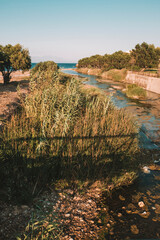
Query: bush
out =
(135, 91)
(49, 66)
(64, 132)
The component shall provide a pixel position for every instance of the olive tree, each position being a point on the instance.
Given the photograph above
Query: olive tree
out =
(13, 58)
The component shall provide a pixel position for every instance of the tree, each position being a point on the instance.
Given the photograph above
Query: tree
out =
(13, 58)
(48, 66)
(145, 55)
(118, 60)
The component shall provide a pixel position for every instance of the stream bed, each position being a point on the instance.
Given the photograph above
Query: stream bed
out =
(133, 212)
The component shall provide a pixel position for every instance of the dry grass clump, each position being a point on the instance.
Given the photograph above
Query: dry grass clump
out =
(65, 131)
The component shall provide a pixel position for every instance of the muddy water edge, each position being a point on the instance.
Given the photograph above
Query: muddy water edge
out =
(133, 212)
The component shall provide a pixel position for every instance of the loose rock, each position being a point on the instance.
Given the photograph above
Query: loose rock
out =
(141, 204)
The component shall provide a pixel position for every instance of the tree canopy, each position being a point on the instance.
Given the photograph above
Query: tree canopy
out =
(13, 58)
(146, 55)
(142, 56)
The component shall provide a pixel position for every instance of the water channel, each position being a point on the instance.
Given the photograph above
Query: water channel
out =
(123, 216)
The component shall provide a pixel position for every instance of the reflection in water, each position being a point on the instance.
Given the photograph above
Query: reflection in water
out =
(122, 216)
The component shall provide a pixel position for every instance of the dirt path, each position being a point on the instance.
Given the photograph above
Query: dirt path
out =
(8, 93)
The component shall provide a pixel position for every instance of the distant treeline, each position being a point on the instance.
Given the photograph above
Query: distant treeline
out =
(142, 56)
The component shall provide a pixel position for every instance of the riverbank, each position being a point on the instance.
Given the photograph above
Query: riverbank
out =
(113, 171)
(149, 83)
(123, 217)
(75, 207)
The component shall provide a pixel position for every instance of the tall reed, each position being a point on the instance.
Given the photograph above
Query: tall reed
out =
(64, 131)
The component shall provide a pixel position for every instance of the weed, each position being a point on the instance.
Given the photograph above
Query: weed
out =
(135, 91)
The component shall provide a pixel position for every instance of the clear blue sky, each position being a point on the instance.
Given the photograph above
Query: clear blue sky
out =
(67, 30)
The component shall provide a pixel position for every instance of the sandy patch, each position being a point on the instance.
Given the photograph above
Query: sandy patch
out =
(9, 98)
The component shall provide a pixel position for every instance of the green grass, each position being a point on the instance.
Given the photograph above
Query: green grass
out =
(117, 75)
(135, 91)
(44, 223)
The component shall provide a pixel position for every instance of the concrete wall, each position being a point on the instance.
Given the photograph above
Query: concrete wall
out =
(149, 83)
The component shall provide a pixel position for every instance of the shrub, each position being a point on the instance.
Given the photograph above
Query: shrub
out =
(135, 91)
(64, 132)
(117, 75)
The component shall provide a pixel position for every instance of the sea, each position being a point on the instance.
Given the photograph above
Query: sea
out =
(61, 65)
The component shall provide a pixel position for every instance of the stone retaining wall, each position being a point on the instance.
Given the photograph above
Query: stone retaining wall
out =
(149, 83)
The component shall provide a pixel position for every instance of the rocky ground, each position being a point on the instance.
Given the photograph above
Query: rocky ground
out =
(77, 215)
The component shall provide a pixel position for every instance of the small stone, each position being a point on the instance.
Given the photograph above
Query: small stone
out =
(157, 210)
(108, 225)
(66, 237)
(67, 215)
(144, 213)
(134, 229)
(24, 207)
(119, 215)
(92, 222)
(122, 198)
(141, 204)
(81, 220)
(128, 211)
(146, 170)
(76, 198)
(99, 221)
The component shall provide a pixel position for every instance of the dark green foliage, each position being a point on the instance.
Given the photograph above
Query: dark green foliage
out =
(13, 58)
(96, 61)
(145, 55)
(118, 60)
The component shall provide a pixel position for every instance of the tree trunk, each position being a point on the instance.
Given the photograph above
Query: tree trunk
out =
(6, 78)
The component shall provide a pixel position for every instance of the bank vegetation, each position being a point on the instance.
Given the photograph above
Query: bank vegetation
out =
(65, 132)
(143, 57)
